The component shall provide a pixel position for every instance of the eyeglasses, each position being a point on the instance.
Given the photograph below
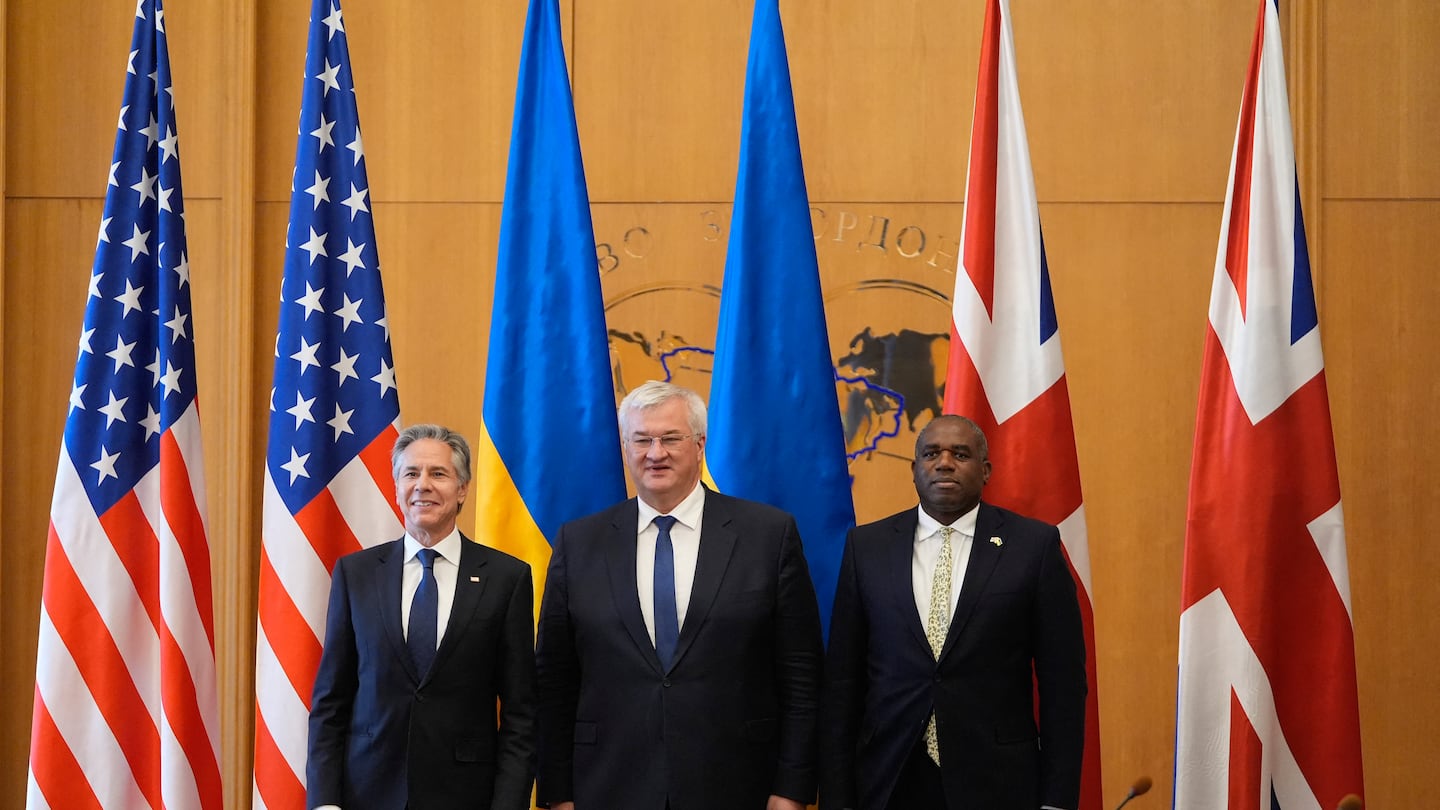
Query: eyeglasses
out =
(670, 441)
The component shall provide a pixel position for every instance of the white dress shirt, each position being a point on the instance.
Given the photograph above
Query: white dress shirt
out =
(447, 569)
(927, 552)
(684, 538)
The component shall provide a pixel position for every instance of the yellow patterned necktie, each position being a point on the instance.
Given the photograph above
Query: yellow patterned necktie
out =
(938, 623)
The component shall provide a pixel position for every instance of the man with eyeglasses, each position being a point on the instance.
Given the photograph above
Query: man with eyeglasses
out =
(679, 643)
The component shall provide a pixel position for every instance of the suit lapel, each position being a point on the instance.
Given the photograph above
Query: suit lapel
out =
(388, 572)
(717, 543)
(984, 556)
(469, 585)
(899, 563)
(619, 551)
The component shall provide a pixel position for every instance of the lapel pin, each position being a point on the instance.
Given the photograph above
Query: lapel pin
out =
(997, 542)
(474, 579)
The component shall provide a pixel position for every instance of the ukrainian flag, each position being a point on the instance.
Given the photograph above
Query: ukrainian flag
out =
(775, 430)
(549, 446)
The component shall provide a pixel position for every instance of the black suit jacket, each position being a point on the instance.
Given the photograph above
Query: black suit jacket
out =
(732, 721)
(382, 738)
(1017, 609)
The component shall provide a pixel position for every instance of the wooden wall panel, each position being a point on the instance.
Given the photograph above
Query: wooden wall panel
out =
(883, 95)
(1381, 99)
(435, 89)
(62, 95)
(1381, 344)
(1132, 285)
(46, 275)
(64, 88)
(657, 93)
(1131, 102)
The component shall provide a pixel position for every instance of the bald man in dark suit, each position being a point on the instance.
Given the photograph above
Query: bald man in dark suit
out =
(941, 615)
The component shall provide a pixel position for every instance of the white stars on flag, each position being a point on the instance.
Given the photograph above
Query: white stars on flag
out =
(121, 353)
(345, 368)
(296, 465)
(112, 409)
(329, 77)
(306, 355)
(385, 379)
(320, 190)
(130, 299)
(322, 132)
(351, 257)
(138, 243)
(315, 245)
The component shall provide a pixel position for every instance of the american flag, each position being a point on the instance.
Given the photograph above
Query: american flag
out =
(125, 704)
(1268, 712)
(334, 410)
(1006, 370)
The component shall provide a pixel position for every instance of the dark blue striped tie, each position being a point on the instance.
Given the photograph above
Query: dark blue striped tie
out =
(424, 615)
(667, 622)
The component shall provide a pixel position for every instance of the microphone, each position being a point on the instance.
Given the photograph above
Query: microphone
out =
(1143, 785)
(1350, 802)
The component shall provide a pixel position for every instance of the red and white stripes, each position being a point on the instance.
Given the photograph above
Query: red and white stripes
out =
(298, 553)
(126, 712)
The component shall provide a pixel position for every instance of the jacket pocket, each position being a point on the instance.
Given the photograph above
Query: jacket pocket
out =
(1020, 731)
(760, 730)
(474, 750)
(586, 733)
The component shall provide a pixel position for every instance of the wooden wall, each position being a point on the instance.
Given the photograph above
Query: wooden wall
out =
(1131, 110)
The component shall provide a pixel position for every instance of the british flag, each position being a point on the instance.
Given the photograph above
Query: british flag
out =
(334, 410)
(1267, 704)
(126, 713)
(1006, 371)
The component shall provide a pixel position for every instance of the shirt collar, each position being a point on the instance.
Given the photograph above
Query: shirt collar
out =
(449, 548)
(929, 526)
(687, 513)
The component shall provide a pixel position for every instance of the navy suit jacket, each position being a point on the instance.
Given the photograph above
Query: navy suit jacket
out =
(1017, 611)
(380, 737)
(732, 721)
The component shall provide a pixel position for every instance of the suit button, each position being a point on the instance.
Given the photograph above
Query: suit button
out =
(665, 683)
(937, 679)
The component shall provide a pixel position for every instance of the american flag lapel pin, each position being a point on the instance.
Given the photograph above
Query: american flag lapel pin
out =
(997, 542)
(474, 579)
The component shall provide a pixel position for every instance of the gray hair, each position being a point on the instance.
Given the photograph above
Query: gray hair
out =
(653, 393)
(982, 447)
(459, 448)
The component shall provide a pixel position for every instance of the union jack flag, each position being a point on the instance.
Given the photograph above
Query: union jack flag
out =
(125, 703)
(1006, 371)
(334, 410)
(1267, 705)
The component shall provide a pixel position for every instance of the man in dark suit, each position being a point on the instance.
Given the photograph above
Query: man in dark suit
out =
(941, 615)
(679, 648)
(424, 635)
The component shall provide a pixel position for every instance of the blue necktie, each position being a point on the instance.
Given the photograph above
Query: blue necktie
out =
(424, 615)
(667, 622)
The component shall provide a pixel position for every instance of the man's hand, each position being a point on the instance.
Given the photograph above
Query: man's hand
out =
(782, 803)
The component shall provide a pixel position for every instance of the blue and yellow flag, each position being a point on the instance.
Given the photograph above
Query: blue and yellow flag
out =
(549, 447)
(775, 431)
